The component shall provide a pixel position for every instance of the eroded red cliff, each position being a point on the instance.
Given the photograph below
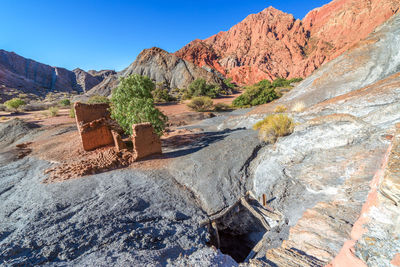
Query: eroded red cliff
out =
(274, 44)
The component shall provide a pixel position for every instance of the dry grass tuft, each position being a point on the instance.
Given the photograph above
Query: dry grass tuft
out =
(274, 126)
(53, 111)
(280, 109)
(298, 107)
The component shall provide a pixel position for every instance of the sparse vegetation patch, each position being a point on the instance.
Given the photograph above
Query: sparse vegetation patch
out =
(14, 104)
(201, 103)
(274, 126)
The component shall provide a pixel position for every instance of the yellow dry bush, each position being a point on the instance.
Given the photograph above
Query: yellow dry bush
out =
(299, 107)
(274, 126)
(53, 111)
(280, 109)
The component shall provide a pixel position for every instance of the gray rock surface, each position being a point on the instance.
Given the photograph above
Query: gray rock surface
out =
(216, 174)
(121, 217)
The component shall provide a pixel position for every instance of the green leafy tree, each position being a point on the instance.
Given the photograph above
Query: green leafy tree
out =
(132, 102)
(200, 87)
(14, 104)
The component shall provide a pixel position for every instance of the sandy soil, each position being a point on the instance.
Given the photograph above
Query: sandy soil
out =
(40, 117)
(174, 109)
(65, 150)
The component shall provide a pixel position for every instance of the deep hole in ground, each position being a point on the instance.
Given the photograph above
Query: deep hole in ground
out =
(238, 233)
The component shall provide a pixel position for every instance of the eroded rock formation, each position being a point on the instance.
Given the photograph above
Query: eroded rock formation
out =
(274, 44)
(22, 75)
(161, 67)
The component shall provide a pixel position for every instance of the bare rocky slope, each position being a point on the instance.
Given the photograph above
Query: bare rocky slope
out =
(274, 44)
(319, 184)
(22, 75)
(161, 67)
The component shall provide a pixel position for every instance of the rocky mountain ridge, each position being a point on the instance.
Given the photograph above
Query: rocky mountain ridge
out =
(161, 67)
(23, 75)
(274, 44)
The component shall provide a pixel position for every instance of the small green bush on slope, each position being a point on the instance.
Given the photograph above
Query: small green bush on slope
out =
(262, 92)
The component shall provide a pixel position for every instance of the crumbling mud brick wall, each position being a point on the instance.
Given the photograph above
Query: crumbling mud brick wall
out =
(145, 141)
(91, 120)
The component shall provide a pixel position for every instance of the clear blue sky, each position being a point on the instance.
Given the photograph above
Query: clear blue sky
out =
(110, 34)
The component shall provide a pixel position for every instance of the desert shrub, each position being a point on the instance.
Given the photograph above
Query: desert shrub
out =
(280, 109)
(201, 103)
(229, 84)
(260, 93)
(14, 104)
(98, 99)
(222, 107)
(274, 126)
(281, 82)
(264, 92)
(53, 111)
(65, 102)
(3, 118)
(162, 96)
(299, 107)
(200, 87)
(2, 107)
(296, 80)
(72, 112)
(132, 102)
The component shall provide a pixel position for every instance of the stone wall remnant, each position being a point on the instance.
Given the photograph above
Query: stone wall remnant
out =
(145, 141)
(119, 143)
(91, 120)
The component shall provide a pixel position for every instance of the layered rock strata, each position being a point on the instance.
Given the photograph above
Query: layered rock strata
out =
(274, 44)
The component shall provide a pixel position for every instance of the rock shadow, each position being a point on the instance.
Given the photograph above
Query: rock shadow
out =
(181, 145)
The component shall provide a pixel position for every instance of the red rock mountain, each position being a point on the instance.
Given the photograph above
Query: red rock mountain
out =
(274, 44)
